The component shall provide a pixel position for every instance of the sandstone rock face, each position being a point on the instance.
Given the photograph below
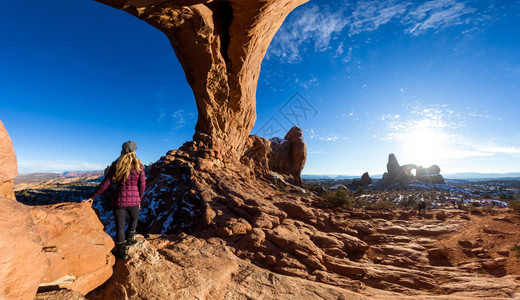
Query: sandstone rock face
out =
(397, 174)
(58, 246)
(8, 165)
(77, 248)
(283, 158)
(287, 157)
(22, 261)
(220, 45)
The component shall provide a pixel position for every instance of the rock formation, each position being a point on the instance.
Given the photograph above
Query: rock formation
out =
(397, 174)
(220, 45)
(231, 191)
(8, 166)
(48, 247)
(365, 180)
(430, 175)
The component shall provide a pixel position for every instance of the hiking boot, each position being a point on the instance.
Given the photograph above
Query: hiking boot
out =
(120, 251)
(130, 238)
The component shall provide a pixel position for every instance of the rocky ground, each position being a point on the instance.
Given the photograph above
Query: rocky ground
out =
(286, 230)
(448, 253)
(267, 236)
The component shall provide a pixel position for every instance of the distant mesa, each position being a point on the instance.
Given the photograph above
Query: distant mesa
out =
(398, 174)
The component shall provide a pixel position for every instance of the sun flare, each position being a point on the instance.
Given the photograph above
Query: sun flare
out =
(424, 145)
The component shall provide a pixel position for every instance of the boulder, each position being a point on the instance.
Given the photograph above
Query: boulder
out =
(52, 247)
(22, 259)
(76, 246)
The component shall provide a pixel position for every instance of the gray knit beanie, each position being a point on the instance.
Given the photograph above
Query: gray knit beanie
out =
(129, 146)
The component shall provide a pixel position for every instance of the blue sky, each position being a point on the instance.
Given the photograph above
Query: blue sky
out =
(431, 81)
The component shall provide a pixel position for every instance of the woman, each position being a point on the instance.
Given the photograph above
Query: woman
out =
(128, 172)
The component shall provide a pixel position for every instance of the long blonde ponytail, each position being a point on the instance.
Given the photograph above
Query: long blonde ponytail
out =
(124, 165)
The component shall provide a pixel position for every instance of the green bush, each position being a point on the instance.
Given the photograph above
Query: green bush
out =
(514, 206)
(516, 249)
(339, 196)
(410, 201)
(360, 191)
(475, 204)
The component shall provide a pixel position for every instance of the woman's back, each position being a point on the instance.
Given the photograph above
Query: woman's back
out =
(128, 192)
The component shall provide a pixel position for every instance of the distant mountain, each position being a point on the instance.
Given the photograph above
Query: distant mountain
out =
(336, 177)
(483, 176)
(41, 177)
(82, 173)
(35, 177)
(470, 176)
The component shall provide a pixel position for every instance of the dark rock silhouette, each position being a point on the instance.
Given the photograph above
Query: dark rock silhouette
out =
(364, 181)
(397, 174)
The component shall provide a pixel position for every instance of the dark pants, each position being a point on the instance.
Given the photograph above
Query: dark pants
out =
(120, 215)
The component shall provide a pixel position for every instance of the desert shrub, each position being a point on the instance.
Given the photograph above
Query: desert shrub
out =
(410, 201)
(339, 196)
(475, 210)
(489, 210)
(516, 249)
(360, 191)
(514, 206)
(281, 186)
(475, 204)
(385, 204)
(363, 203)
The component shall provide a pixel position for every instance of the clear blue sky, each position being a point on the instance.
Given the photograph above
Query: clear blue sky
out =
(431, 81)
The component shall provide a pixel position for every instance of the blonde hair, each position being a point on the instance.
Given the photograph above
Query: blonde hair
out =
(124, 165)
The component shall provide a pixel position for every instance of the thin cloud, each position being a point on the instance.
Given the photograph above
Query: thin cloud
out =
(369, 15)
(436, 14)
(500, 149)
(180, 117)
(317, 152)
(317, 27)
(313, 135)
(313, 25)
